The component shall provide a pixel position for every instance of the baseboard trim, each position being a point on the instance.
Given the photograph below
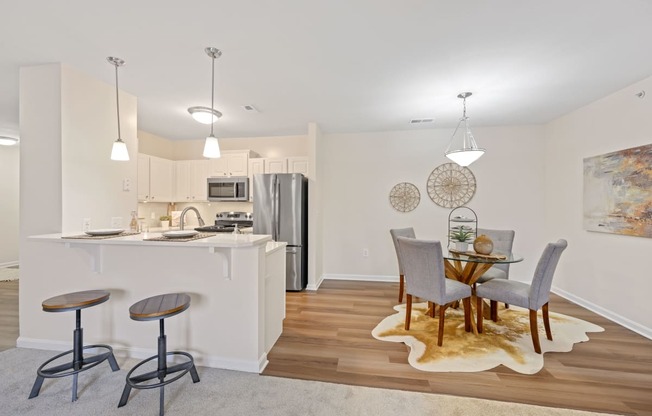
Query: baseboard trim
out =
(314, 287)
(249, 366)
(362, 277)
(612, 316)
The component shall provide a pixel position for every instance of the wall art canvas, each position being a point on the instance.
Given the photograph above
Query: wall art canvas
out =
(618, 192)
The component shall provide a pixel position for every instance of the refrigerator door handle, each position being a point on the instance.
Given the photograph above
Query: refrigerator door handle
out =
(275, 211)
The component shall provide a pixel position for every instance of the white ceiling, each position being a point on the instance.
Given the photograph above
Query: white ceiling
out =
(350, 66)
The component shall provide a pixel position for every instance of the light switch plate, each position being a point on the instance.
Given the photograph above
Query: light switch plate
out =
(86, 225)
(126, 184)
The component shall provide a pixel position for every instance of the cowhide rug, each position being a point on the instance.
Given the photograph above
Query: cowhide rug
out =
(507, 342)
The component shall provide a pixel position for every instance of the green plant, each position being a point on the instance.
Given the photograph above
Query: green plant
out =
(462, 235)
(165, 218)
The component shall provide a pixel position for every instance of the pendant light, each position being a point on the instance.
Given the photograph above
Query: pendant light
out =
(8, 141)
(212, 146)
(463, 149)
(119, 151)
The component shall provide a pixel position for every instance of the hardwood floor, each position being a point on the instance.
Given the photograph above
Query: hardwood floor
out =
(8, 314)
(327, 336)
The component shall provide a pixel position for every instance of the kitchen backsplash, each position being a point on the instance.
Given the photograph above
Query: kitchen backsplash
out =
(208, 210)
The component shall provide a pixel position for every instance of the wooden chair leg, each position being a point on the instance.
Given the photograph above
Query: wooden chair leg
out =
(408, 311)
(494, 310)
(534, 331)
(442, 315)
(507, 306)
(433, 309)
(467, 314)
(546, 322)
(401, 288)
(478, 309)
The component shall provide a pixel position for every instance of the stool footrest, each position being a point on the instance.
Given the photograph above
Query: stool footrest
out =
(62, 370)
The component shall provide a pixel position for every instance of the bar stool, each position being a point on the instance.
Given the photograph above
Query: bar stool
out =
(159, 307)
(74, 302)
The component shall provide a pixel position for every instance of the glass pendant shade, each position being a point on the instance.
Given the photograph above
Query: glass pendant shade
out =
(119, 151)
(463, 149)
(204, 115)
(212, 148)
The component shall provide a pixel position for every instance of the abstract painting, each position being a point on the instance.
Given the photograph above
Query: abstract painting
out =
(618, 192)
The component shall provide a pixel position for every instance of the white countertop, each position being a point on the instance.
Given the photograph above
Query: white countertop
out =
(218, 240)
(273, 246)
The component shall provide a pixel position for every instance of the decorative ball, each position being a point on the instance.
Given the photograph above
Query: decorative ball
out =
(483, 244)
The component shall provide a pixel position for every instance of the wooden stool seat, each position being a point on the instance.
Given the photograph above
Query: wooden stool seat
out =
(159, 307)
(75, 300)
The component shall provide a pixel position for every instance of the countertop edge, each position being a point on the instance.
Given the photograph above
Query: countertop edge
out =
(219, 240)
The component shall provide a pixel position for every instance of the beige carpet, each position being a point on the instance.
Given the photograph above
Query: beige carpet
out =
(507, 342)
(232, 393)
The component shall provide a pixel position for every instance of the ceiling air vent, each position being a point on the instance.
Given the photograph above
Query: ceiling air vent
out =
(421, 120)
(250, 108)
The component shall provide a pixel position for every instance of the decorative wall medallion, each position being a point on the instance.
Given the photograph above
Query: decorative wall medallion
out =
(451, 185)
(404, 197)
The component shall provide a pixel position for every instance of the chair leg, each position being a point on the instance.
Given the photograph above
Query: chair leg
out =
(507, 306)
(535, 331)
(478, 309)
(442, 315)
(546, 322)
(494, 310)
(467, 314)
(401, 288)
(408, 311)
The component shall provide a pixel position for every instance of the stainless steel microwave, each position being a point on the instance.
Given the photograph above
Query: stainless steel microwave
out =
(228, 189)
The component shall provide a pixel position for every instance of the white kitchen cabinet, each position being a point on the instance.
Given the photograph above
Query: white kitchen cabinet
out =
(232, 163)
(256, 165)
(191, 180)
(278, 165)
(298, 164)
(155, 178)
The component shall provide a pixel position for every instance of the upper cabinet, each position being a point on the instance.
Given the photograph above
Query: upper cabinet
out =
(298, 164)
(232, 163)
(155, 179)
(191, 180)
(279, 165)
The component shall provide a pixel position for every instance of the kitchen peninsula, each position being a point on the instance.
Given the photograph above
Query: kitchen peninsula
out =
(236, 283)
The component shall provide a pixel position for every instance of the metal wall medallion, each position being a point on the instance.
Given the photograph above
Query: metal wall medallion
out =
(451, 185)
(404, 197)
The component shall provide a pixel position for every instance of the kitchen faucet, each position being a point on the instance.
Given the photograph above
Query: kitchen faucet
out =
(183, 215)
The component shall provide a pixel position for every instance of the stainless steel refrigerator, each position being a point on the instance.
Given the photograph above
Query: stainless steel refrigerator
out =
(281, 210)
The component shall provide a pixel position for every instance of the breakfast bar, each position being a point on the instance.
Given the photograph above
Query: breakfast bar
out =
(236, 283)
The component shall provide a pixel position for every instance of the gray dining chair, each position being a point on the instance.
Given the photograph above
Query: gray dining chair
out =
(423, 264)
(401, 232)
(532, 296)
(503, 241)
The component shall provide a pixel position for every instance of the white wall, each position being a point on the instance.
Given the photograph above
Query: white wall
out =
(92, 183)
(9, 169)
(605, 272)
(359, 170)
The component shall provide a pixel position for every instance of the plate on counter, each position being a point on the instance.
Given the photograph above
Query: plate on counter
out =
(180, 233)
(105, 231)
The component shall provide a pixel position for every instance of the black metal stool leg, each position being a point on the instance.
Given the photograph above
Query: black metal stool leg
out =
(125, 395)
(162, 364)
(36, 388)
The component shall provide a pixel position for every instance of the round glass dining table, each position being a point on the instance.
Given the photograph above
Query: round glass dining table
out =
(467, 267)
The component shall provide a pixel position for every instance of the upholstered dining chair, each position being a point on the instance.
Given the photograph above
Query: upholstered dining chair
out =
(532, 296)
(423, 264)
(503, 242)
(401, 232)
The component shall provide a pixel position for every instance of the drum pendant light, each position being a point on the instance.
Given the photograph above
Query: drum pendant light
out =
(119, 151)
(212, 146)
(462, 148)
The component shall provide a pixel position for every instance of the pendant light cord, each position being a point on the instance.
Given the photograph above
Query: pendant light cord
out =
(117, 100)
(212, 90)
